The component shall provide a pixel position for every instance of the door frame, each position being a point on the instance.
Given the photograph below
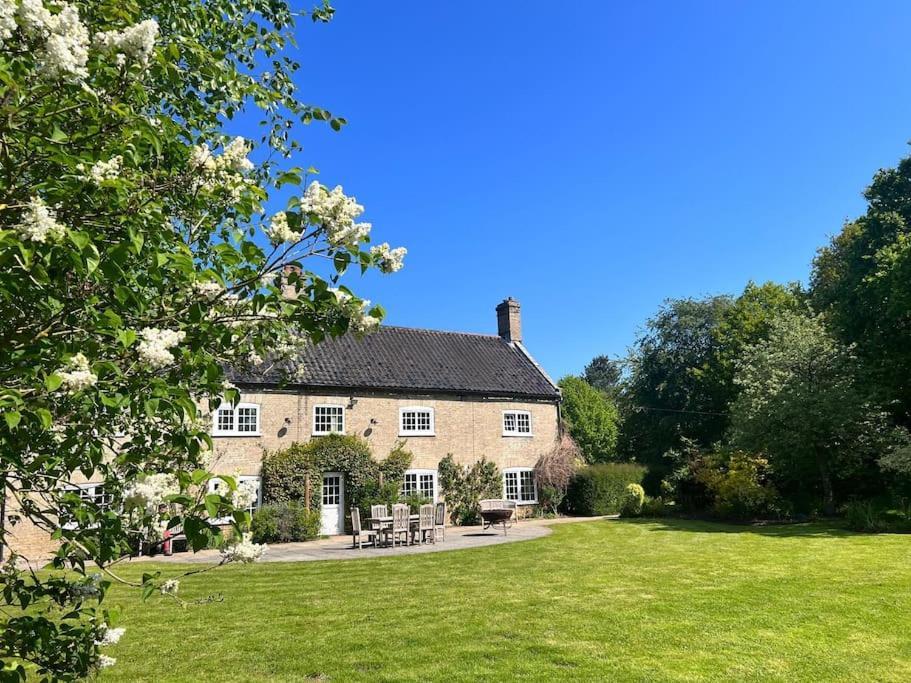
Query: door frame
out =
(340, 527)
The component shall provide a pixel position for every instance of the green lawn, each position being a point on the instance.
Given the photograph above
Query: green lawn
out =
(639, 600)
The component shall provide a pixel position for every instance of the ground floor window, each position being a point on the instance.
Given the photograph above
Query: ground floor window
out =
(252, 490)
(94, 493)
(519, 485)
(420, 483)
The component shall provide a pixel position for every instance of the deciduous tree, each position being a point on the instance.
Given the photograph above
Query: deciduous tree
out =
(140, 257)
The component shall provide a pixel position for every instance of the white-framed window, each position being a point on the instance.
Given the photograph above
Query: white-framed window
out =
(328, 419)
(516, 423)
(416, 421)
(247, 480)
(332, 490)
(519, 485)
(421, 483)
(94, 493)
(239, 420)
(91, 492)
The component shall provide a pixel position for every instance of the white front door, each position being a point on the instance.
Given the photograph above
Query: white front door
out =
(332, 512)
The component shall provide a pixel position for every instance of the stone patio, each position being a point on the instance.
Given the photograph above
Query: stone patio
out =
(339, 547)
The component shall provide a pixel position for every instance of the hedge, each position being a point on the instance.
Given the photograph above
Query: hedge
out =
(601, 489)
(284, 523)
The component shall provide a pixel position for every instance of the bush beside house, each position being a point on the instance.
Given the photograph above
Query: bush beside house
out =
(285, 522)
(293, 476)
(464, 486)
(601, 489)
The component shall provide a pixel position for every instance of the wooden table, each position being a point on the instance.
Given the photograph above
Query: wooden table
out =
(380, 523)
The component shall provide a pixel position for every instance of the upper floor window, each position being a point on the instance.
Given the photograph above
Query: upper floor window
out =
(416, 422)
(519, 485)
(328, 419)
(239, 420)
(420, 483)
(516, 423)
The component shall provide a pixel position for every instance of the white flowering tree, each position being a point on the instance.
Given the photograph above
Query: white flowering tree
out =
(137, 262)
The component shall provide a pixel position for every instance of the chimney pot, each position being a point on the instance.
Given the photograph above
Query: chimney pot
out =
(509, 320)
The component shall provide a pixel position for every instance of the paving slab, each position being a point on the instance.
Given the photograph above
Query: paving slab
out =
(340, 547)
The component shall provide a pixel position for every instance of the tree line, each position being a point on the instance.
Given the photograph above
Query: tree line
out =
(795, 394)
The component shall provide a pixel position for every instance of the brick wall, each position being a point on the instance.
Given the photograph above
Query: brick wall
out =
(469, 428)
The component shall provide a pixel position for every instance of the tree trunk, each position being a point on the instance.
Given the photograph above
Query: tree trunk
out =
(828, 495)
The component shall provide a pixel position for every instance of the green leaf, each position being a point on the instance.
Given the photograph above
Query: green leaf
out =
(53, 382)
(45, 416)
(12, 417)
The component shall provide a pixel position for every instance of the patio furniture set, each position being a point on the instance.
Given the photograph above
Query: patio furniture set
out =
(429, 525)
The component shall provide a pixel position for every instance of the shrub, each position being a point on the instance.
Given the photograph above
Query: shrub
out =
(465, 486)
(555, 470)
(394, 466)
(633, 498)
(726, 483)
(414, 501)
(654, 507)
(739, 485)
(284, 522)
(286, 473)
(878, 515)
(600, 489)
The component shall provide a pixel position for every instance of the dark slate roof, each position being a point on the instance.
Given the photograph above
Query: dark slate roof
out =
(405, 359)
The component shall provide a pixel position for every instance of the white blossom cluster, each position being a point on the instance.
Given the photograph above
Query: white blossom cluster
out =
(149, 492)
(155, 345)
(77, 375)
(388, 260)
(105, 662)
(244, 495)
(336, 213)
(39, 223)
(279, 231)
(105, 170)
(109, 636)
(361, 321)
(244, 551)
(207, 289)
(224, 171)
(7, 20)
(63, 37)
(170, 587)
(133, 43)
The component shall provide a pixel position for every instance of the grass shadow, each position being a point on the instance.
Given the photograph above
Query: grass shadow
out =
(828, 529)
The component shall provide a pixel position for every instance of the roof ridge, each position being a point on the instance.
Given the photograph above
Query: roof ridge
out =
(427, 329)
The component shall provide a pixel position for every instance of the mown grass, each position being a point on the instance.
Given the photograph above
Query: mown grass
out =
(610, 600)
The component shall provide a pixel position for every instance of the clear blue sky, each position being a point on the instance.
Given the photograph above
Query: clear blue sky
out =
(594, 158)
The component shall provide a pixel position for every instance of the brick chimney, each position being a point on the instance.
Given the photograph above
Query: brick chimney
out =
(509, 320)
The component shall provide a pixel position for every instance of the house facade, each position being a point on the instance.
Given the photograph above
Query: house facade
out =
(469, 395)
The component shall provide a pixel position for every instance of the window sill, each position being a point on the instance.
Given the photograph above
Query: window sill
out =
(406, 434)
(324, 433)
(237, 434)
(514, 435)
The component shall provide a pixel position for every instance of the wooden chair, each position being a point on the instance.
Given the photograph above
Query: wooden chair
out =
(426, 528)
(439, 522)
(401, 515)
(379, 511)
(357, 532)
(376, 511)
